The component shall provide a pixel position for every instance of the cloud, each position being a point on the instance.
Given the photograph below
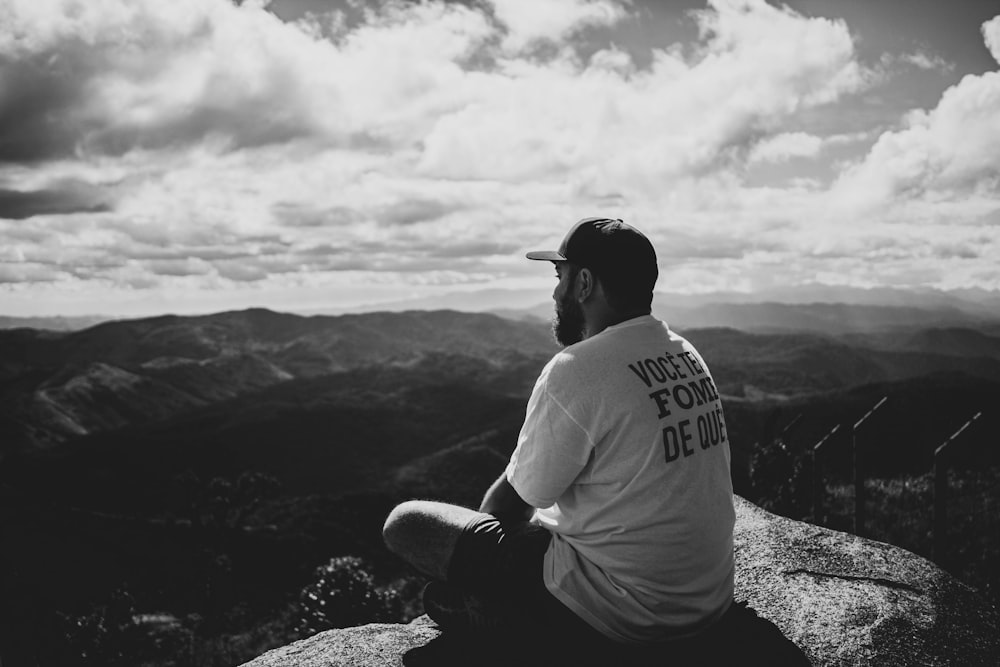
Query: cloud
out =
(64, 197)
(959, 250)
(297, 214)
(927, 61)
(107, 77)
(178, 267)
(103, 76)
(991, 35)
(241, 272)
(11, 273)
(786, 146)
(529, 21)
(198, 143)
(411, 211)
(472, 249)
(759, 65)
(952, 150)
(213, 74)
(890, 62)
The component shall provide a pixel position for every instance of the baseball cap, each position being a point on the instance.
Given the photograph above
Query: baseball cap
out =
(613, 250)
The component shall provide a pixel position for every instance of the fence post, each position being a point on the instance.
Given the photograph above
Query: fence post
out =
(940, 506)
(941, 495)
(818, 482)
(859, 472)
(786, 433)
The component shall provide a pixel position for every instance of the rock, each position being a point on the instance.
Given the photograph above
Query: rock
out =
(847, 600)
(374, 645)
(842, 599)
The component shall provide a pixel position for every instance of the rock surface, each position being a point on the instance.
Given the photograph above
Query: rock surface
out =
(842, 599)
(373, 645)
(847, 600)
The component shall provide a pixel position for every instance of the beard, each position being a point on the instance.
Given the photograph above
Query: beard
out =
(568, 324)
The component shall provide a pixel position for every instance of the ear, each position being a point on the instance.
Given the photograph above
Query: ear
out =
(586, 284)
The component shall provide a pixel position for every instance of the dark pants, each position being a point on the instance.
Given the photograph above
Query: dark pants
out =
(501, 564)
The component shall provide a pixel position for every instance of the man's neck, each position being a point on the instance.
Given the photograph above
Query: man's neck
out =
(609, 318)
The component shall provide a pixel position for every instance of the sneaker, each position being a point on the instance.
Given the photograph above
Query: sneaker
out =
(454, 610)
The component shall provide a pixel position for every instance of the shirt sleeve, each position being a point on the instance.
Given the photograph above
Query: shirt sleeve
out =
(552, 449)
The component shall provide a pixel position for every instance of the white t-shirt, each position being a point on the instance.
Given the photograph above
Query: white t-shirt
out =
(624, 450)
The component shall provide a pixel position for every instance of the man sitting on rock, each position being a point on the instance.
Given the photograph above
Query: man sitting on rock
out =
(612, 524)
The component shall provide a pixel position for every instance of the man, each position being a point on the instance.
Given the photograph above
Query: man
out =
(613, 521)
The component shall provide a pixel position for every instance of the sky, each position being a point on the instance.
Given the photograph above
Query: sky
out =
(204, 155)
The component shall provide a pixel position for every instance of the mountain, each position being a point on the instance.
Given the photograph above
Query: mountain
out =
(313, 344)
(460, 473)
(56, 386)
(337, 433)
(978, 303)
(333, 402)
(952, 341)
(782, 365)
(211, 463)
(818, 317)
(59, 385)
(55, 323)
(774, 317)
(813, 308)
(972, 304)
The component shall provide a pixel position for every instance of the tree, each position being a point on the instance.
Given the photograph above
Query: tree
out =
(343, 594)
(779, 474)
(108, 635)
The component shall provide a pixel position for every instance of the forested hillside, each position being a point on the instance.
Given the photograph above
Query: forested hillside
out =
(197, 470)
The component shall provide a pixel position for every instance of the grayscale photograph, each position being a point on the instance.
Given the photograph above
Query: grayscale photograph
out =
(499, 333)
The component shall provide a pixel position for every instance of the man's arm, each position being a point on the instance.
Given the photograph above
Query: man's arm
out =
(502, 500)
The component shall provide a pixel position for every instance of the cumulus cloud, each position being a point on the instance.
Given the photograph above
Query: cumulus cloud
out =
(472, 249)
(991, 33)
(410, 211)
(298, 214)
(785, 146)
(63, 197)
(950, 150)
(178, 267)
(926, 61)
(107, 76)
(680, 117)
(207, 143)
(21, 272)
(528, 21)
(923, 60)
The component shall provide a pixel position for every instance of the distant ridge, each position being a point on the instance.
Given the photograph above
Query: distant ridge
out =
(53, 323)
(58, 385)
(830, 318)
(951, 306)
(978, 303)
(820, 318)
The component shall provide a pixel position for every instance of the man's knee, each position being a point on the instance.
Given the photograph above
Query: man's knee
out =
(401, 525)
(424, 533)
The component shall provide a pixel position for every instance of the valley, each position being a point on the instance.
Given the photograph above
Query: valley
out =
(207, 464)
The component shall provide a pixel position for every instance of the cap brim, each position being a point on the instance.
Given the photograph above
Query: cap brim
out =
(546, 255)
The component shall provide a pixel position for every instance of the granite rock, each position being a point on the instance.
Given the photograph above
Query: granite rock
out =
(842, 599)
(373, 645)
(845, 600)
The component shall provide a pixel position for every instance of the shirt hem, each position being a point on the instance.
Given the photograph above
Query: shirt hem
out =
(534, 502)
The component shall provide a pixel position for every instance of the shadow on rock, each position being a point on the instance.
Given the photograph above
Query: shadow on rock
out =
(741, 638)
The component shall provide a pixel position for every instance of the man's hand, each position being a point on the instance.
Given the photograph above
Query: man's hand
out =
(503, 502)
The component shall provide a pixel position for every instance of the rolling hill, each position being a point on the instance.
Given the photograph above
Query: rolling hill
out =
(209, 463)
(823, 318)
(55, 386)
